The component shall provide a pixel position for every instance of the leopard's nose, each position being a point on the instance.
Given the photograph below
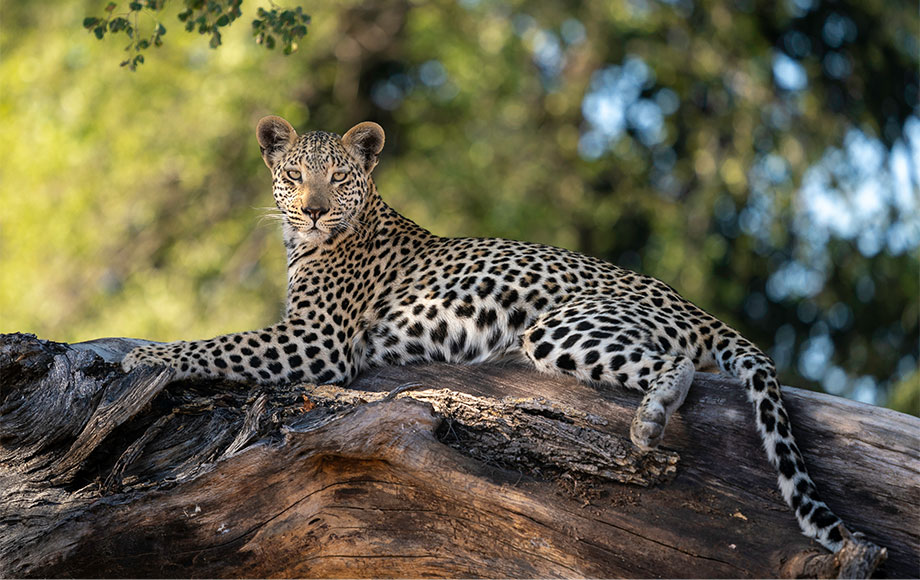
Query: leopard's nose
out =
(315, 212)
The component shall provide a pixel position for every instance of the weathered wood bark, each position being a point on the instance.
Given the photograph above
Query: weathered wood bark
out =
(421, 471)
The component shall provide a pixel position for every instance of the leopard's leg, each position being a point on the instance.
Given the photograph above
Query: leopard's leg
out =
(290, 351)
(666, 394)
(610, 342)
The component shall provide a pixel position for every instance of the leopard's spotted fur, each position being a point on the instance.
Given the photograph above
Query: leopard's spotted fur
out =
(368, 287)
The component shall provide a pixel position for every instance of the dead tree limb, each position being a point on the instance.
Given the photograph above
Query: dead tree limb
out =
(420, 471)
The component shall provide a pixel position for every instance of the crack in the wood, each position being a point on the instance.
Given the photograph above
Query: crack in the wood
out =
(664, 545)
(384, 509)
(886, 449)
(628, 531)
(504, 514)
(252, 529)
(469, 521)
(513, 548)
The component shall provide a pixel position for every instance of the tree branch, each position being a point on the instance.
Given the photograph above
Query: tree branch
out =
(437, 470)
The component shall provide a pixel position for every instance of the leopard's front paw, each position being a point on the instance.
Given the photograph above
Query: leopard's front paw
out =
(648, 426)
(142, 355)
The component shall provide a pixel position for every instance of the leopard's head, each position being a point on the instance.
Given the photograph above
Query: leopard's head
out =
(321, 181)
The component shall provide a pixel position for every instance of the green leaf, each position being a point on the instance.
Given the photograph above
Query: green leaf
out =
(273, 27)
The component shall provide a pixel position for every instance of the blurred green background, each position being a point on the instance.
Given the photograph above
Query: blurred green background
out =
(761, 157)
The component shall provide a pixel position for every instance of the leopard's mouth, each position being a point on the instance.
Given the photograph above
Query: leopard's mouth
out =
(326, 228)
(315, 229)
(307, 226)
(314, 233)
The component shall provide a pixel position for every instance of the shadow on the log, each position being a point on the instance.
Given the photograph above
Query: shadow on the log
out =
(464, 472)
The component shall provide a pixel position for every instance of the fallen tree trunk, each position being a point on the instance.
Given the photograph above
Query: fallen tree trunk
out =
(420, 471)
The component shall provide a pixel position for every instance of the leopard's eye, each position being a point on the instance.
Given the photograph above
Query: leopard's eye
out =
(293, 175)
(339, 176)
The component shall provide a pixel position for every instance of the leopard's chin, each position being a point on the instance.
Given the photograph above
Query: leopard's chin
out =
(312, 236)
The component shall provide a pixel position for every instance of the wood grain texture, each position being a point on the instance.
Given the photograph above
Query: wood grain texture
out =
(225, 480)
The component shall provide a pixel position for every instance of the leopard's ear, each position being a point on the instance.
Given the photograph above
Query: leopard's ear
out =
(275, 138)
(364, 142)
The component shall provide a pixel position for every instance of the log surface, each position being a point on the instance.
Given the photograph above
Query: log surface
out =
(435, 470)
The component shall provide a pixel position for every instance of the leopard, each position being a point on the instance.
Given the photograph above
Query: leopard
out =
(368, 287)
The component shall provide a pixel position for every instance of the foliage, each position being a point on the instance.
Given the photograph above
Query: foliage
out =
(904, 395)
(761, 158)
(288, 25)
(208, 17)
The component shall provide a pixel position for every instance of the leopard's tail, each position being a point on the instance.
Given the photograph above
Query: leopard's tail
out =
(738, 357)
